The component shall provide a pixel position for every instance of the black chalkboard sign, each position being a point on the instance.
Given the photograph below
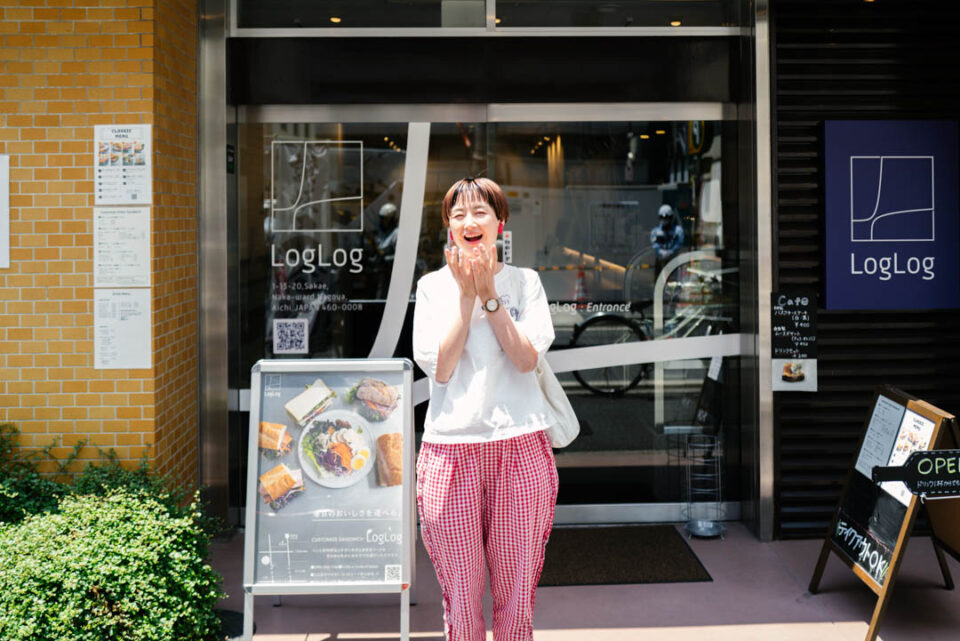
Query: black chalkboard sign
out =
(873, 520)
(794, 324)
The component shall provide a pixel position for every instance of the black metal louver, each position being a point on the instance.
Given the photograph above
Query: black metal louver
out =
(856, 60)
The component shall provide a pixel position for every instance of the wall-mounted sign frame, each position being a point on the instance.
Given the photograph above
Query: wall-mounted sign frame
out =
(873, 521)
(330, 505)
(891, 214)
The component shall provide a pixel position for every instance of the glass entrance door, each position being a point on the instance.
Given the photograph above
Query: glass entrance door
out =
(629, 224)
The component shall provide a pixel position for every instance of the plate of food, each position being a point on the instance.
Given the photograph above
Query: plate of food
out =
(336, 449)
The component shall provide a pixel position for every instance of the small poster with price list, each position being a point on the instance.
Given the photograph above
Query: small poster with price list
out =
(122, 165)
(794, 340)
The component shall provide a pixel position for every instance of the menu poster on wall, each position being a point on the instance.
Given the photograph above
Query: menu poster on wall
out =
(122, 165)
(794, 340)
(121, 329)
(329, 466)
(121, 247)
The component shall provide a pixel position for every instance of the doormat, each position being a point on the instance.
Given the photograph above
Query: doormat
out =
(620, 554)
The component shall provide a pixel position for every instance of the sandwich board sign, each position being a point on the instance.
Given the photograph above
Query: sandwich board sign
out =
(874, 517)
(330, 480)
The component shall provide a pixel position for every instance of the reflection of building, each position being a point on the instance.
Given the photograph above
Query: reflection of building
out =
(588, 146)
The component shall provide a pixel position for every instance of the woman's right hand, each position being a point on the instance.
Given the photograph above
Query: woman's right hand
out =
(460, 268)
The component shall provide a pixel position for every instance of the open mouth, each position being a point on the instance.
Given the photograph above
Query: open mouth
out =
(473, 239)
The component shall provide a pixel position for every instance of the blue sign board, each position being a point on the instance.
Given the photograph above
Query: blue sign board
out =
(892, 220)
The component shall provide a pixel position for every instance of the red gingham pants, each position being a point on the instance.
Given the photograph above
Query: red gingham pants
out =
(487, 501)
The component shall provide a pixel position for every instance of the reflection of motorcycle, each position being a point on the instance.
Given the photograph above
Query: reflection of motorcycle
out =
(610, 329)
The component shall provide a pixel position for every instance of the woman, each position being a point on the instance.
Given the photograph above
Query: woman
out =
(486, 478)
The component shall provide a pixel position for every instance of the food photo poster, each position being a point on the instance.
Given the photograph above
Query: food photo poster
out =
(329, 478)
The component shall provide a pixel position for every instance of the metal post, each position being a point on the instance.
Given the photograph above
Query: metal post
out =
(765, 274)
(247, 615)
(405, 615)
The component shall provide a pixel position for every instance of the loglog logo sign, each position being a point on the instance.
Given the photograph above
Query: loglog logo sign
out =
(891, 217)
(316, 186)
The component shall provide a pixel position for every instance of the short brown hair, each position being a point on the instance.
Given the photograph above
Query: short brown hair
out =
(480, 188)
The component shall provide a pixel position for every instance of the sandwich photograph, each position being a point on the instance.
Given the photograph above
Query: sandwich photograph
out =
(279, 485)
(274, 439)
(375, 399)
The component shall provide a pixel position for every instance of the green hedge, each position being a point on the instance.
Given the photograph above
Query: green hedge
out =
(107, 567)
(110, 554)
(21, 496)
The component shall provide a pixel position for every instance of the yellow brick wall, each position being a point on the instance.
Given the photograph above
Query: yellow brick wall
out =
(175, 236)
(65, 66)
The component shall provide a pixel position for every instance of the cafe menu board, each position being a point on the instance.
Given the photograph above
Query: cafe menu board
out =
(122, 165)
(794, 340)
(121, 247)
(329, 503)
(870, 517)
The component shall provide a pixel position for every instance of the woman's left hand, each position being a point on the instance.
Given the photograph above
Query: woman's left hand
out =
(483, 265)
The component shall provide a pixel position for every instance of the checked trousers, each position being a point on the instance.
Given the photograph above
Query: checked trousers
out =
(487, 506)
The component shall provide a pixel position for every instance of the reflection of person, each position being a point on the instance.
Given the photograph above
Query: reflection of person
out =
(667, 237)
(486, 477)
(387, 232)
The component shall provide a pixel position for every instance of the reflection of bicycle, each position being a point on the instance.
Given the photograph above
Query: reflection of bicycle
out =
(609, 329)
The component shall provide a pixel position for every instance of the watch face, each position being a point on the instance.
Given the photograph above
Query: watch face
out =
(492, 305)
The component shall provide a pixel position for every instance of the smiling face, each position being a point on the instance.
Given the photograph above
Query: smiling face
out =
(473, 223)
(473, 209)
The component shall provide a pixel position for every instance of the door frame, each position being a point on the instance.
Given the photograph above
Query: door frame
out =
(216, 379)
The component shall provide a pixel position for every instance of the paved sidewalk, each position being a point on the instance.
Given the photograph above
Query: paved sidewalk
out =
(758, 593)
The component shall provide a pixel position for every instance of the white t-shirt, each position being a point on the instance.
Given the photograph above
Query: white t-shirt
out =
(487, 398)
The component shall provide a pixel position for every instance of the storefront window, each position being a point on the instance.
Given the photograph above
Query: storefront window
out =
(621, 13)
(340, 14)
(398, 14)
(628, 224)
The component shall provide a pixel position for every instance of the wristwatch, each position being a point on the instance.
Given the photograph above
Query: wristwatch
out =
(491, 305)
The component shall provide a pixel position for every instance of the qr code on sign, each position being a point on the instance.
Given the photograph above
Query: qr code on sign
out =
(391, 573)
(291, 336)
